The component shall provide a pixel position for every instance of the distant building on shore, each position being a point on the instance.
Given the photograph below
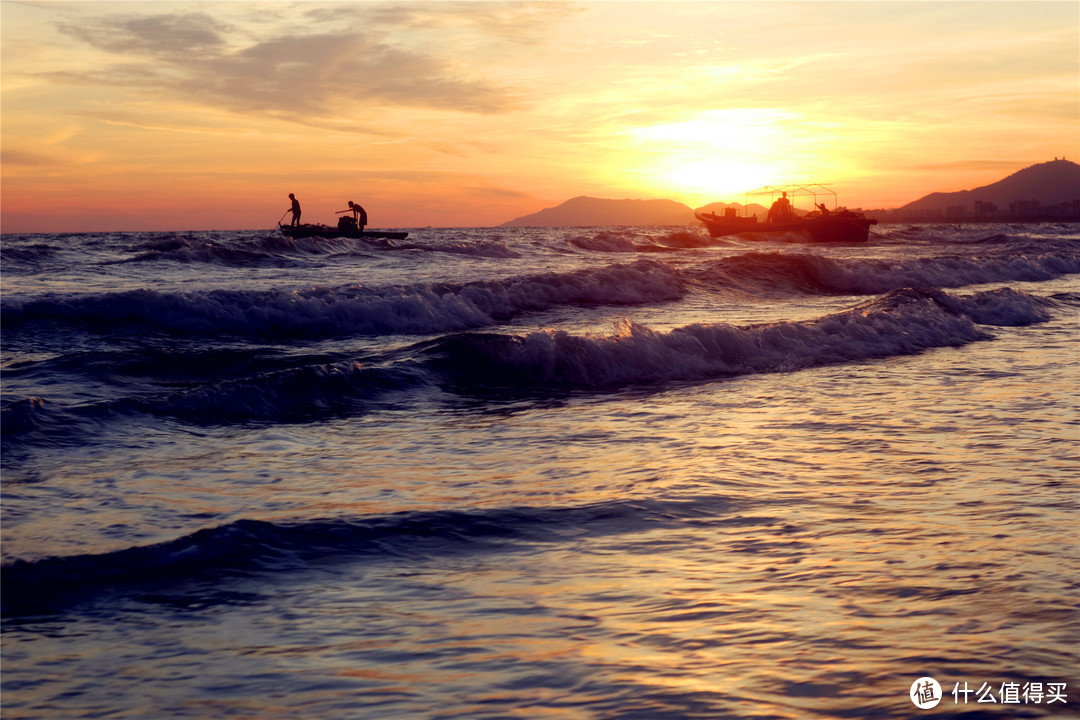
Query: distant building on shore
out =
(984, 211)
(1046, 192)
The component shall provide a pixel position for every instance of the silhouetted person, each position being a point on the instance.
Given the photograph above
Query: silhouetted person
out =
(824, 210)
(359, 215)
(295, 209)
(781, 210)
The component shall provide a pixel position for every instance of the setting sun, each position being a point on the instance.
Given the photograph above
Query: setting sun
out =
(717, 154)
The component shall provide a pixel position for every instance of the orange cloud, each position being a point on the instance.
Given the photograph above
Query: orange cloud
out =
(300, 77)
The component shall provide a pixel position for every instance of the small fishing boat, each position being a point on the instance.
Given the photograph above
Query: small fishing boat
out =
(346, 227)
(821, 225)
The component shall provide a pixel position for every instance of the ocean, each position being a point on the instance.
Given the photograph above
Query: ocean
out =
(541, 473)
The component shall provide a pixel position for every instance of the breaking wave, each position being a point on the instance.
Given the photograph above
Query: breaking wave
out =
(804, 272)
(453, 307)
(271, 389)
(354, 310)
(902, 322)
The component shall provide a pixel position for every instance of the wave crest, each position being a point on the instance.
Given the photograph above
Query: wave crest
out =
(246, 546)
(355, 310)
(801, 272)
(902, 322)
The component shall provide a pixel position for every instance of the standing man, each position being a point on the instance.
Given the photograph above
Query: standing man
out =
(781, 210)
(295, 209)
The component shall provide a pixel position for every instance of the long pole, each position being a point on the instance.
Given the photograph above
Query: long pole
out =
(278, 224)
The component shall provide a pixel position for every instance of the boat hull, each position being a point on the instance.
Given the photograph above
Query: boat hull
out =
(843, 227)
(325, 231)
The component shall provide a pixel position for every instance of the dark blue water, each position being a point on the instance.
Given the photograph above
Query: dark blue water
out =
(566, 473)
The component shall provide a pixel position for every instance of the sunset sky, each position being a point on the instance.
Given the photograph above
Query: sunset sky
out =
(206, 115)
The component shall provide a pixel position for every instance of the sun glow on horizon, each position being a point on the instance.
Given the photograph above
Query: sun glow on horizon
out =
(717, 155)
(192, 115)
(701, 182)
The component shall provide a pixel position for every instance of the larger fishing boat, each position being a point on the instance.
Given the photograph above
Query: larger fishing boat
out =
(820, 225)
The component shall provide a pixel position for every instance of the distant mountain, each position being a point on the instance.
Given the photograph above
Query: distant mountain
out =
(587, 211)
(1050, 183)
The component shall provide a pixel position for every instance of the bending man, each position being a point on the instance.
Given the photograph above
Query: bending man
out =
(359, 215)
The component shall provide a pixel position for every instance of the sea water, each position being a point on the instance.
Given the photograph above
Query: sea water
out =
(541, 473)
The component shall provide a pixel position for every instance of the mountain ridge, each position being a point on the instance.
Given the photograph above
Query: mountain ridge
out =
(1049, 183)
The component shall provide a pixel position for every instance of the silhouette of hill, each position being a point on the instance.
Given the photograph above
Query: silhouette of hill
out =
(1046, 184)
(587, 211)
(1050, 183)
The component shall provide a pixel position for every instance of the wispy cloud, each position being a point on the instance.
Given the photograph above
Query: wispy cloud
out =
(517, 22)
(177, 35)
(17, 157)
(14, 156)
(318, 78)
(498, 193)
